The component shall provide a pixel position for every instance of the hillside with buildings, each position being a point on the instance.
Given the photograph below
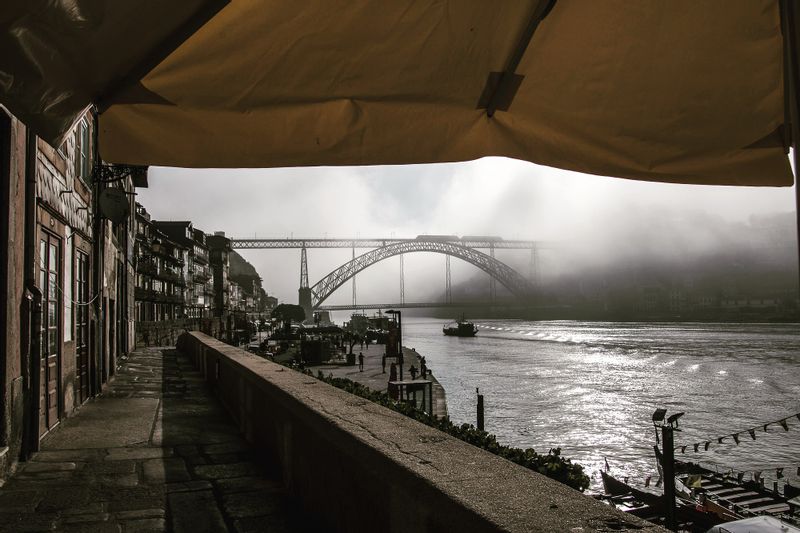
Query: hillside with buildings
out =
(246, 284)
(189, 279)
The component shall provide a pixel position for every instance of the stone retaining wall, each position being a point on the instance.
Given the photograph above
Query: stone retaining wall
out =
(361, 467)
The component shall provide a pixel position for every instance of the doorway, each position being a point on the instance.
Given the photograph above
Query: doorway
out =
(82, 338)
(49, 283)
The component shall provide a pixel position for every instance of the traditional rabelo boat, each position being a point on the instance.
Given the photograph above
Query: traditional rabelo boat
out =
(652, 507)
(733, 498)
(705, 498)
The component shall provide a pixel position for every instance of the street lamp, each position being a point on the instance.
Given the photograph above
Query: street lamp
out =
(399, 338)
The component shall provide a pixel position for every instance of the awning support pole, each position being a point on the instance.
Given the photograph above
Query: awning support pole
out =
(509, 81)
(789, 24)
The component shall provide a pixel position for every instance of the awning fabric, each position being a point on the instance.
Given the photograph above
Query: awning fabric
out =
(688, 91)
(59, 56)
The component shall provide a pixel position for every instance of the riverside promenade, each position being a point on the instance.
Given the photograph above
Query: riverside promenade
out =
(155, 452)
(374, 377)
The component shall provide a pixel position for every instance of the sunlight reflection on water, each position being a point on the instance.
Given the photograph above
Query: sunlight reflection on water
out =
(590, 388)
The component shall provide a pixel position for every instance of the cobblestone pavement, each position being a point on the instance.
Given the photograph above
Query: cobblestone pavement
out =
(154, 453)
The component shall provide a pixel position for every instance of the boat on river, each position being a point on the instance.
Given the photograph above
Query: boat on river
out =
(732, 498)
(460, 328)
(720, 506)
(652, 507)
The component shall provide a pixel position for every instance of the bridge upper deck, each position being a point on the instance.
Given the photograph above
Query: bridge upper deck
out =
(378, 243)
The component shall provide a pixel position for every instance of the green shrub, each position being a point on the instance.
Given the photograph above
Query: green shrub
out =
(552, 464)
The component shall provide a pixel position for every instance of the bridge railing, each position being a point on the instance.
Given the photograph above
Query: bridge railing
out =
(378, 242)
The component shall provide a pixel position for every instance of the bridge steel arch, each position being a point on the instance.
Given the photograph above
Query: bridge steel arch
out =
(503, 273)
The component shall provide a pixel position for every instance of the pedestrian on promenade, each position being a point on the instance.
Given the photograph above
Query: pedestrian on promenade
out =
(383, 363)
(360, 361)
(413, 372)
(393, 372)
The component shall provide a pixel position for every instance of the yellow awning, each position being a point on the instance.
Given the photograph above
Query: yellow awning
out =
(688, 91)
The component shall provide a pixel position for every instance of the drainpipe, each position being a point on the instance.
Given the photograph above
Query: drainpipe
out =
(99, 256)
(33, 298)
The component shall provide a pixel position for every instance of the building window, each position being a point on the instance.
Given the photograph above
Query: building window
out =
(82, 156)
(62, 150)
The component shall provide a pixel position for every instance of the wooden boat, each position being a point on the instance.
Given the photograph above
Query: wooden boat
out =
(652, 507)
(729, 498)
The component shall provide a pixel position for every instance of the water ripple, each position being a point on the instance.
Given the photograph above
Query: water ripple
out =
(590, 388)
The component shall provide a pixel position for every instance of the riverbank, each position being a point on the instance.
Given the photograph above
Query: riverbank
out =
(376, 377)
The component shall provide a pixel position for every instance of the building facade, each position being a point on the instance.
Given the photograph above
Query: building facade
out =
(67, 280)
(161, 281)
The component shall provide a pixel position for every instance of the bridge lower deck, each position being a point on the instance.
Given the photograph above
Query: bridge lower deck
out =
(154, 453)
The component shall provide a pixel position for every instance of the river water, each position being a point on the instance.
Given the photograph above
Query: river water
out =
(590, 388)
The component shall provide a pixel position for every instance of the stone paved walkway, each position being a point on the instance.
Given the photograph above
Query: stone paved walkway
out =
(154, 453)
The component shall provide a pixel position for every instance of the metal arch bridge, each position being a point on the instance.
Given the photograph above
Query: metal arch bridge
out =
(503, 273)
(465, 248)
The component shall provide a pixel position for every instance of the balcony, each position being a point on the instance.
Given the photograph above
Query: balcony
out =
(142, 294)
(174, 277)
(146, 266)
(200, 257)
(167, 253)
(201, 275)
(169, 298)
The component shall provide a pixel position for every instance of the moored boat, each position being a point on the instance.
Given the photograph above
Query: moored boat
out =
(731, 498)
(652, 507)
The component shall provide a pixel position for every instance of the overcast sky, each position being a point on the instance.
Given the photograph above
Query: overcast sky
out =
(491, 196)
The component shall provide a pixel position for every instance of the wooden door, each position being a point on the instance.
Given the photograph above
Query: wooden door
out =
(49, 283)
(112, 340)
(82, 326)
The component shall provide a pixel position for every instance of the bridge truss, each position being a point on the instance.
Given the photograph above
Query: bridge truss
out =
(489, 243)
(503, 273)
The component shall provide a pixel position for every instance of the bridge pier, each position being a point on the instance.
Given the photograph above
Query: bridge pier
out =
(304, 300)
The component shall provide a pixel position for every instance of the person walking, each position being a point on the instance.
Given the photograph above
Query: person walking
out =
(383, 363)
(360, 361)
(413, 372)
